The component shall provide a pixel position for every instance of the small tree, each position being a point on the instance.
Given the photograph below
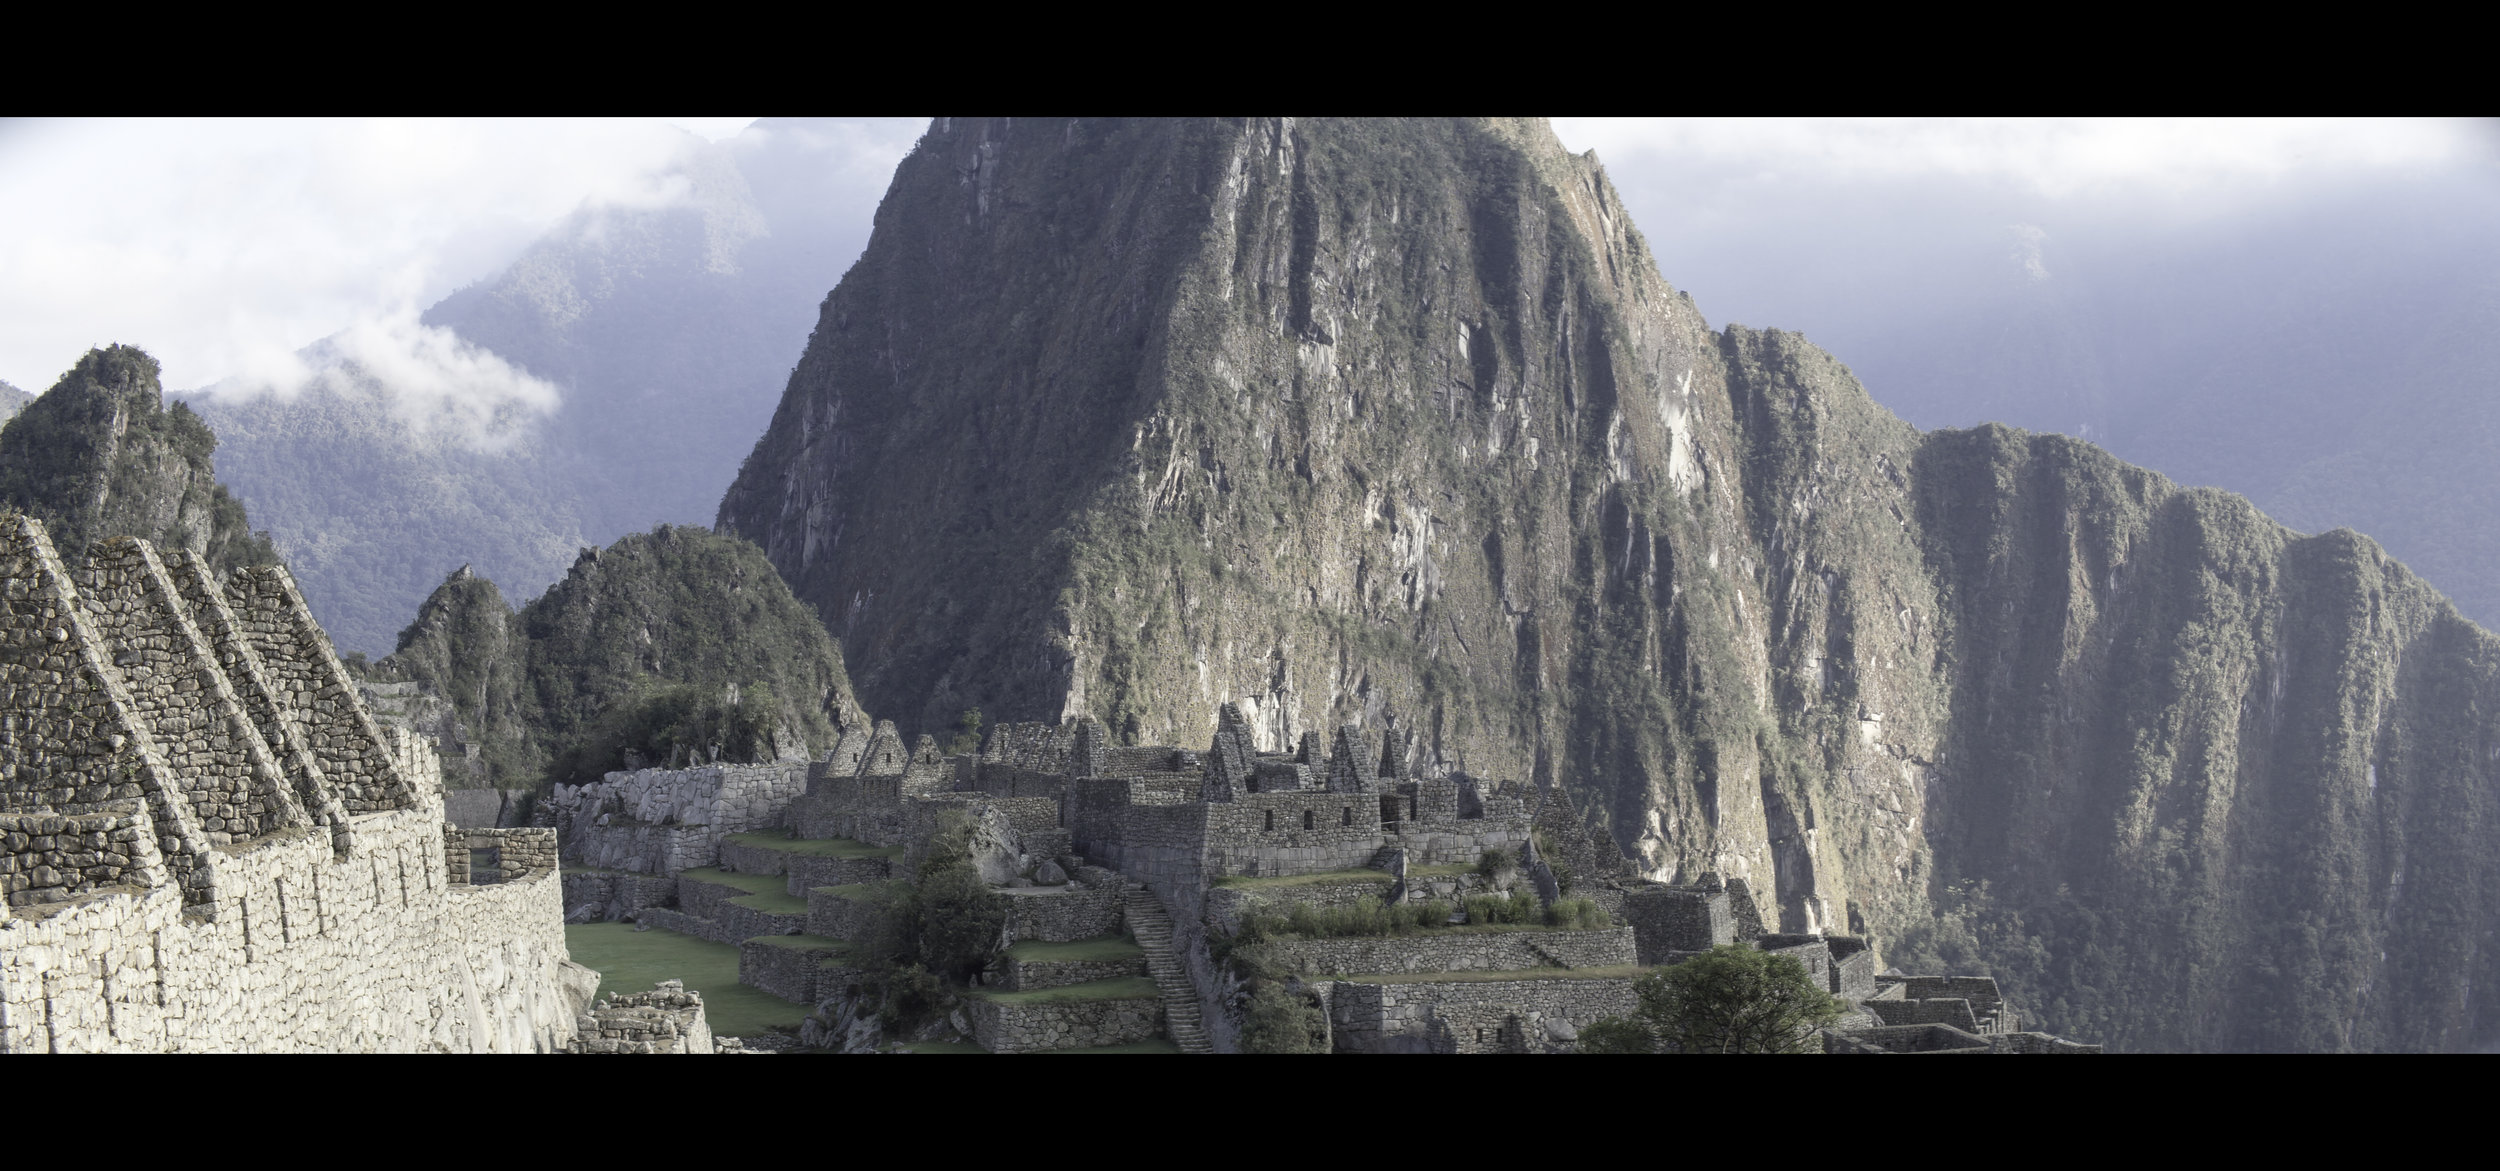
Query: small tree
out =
(1282, 1022)
(967, 733)
(943, 929)
(1730, 999)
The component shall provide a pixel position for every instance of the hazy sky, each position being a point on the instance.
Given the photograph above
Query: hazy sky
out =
(1818, 225)
(222, 247)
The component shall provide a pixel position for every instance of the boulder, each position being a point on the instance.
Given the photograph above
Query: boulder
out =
(997, 850)
(1050, 874)
(1097, 877)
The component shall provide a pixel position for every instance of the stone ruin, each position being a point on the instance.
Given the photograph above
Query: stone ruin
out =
(1089, 841)
(208, 844)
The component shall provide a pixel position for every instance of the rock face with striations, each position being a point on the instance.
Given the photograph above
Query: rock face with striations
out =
(1397, 423)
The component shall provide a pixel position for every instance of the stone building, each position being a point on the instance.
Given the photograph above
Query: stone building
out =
(1172, 848)
(207, 843)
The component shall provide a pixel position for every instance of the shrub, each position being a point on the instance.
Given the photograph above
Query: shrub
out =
(1494, 862)
(967, 733)
(943, 929)
(1577, 914)
(1734, 999)
(1618, 1034)
(1279, 1021)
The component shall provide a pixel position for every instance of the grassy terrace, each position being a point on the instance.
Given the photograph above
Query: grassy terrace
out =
(1120, 988)
(1326, 877)
(632, 961)
(1101, 949)
(765, 892)
(861, 890)
(1156, 1045)
(842, 952)
(826, 848)
(1618, 972)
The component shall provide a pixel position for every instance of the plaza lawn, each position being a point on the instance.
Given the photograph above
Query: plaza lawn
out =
(632, 961)
(813, 848)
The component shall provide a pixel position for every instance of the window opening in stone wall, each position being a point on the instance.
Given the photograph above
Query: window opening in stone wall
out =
(1389, 809)
(1309, 820)
(284, 935)
(485, 866)
(1412, 807)
(1271, 821)
(1348, 819)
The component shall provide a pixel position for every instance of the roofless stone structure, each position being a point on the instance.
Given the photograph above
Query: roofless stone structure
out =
(207, 843)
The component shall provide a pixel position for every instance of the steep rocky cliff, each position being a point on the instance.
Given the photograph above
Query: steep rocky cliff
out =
(100, 455)
(1397, 422)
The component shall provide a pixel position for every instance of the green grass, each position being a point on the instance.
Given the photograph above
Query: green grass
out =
(1451, 870)
(813, 848)
(1617, 972)
(632, 961)
(859, 890)
(839, 949)
(1098, 949)
(765, 892)
(1117, 988)
(1244, 882)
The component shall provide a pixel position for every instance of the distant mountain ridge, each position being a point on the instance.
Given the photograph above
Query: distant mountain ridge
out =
(668, 334)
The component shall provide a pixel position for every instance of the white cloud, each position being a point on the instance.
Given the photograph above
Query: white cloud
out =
(2057, 158)
(220, 247)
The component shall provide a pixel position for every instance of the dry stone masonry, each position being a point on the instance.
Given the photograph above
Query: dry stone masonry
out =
(207, 844)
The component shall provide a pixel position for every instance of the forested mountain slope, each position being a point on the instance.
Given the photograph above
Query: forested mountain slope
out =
(668, 645)
(1398, 422)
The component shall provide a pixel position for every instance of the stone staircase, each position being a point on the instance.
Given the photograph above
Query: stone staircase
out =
(1152, 925)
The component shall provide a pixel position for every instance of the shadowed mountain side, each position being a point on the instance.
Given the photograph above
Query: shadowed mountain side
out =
(1395, 422)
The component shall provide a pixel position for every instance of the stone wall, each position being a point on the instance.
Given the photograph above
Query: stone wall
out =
(50, 858)
(484, 808)
(660, 821)
(1017, 975)
(788, 966)
(1005, 1026)
(1495, 1016)
(592, 896)
(848, 913)
(1677, 919)
(1063, 914)
(667, 1019)
(1492, 951)
(310, 952)
(804, 871)
(1225, 904)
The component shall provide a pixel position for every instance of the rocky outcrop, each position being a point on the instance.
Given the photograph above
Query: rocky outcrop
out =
(100, 455)
(1396, 423)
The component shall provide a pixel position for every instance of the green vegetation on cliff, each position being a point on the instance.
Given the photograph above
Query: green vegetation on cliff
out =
(100, 455)
(659, 649)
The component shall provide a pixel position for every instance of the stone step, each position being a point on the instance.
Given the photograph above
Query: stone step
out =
(1151, 925)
